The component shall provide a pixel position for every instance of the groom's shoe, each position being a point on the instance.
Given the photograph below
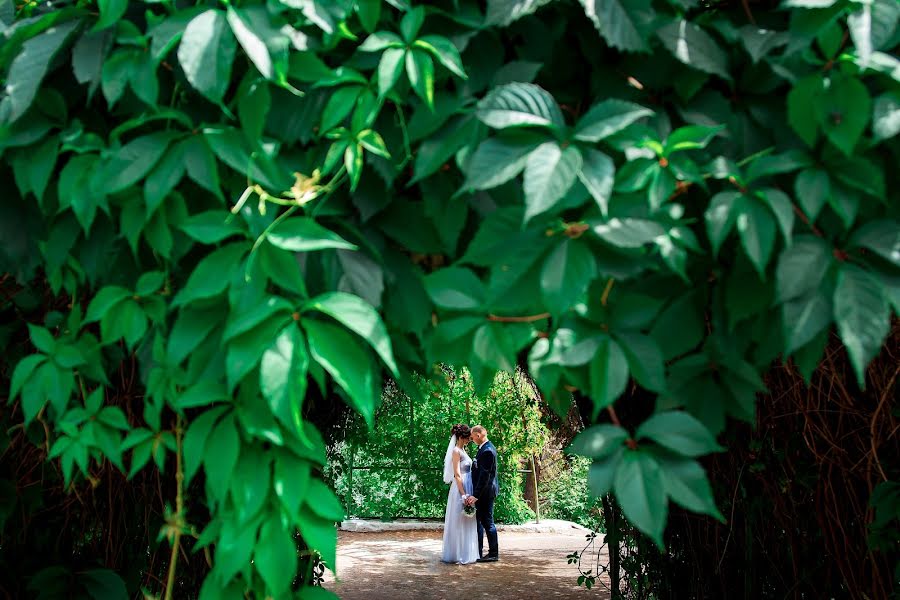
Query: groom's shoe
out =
(489, 558)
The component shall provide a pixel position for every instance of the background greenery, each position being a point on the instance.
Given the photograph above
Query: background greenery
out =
(224, 222)
(408, 480)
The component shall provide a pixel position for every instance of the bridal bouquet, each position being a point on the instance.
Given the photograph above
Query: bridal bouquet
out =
(468, 511)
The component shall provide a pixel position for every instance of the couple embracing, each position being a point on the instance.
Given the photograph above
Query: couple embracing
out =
(470, 503)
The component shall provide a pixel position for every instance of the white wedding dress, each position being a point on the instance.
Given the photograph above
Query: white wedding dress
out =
(460, 531)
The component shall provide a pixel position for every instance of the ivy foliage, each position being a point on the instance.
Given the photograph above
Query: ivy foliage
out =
(259, 202)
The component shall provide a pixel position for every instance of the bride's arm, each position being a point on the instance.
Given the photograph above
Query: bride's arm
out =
(457, 475)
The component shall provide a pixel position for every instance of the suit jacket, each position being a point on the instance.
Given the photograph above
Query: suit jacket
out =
(485, 484)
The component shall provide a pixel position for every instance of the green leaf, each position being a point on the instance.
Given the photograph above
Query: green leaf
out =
(319, 534)
(327, 504)
(104, 300)
(245, 350)
(455, 288)
(125, 320)
(863, 316)
(607, 118)
(619, 22)
(110, 13)
(37, 168)
(756, 227)
(291, 482)
(598, 441)
(200, 164)
(645, 360)
(602, 473)
(24, 369)
(608, 373)
(203, 393)
(566, 275)
(598, 175)
(194, 445)
(29, 67)
(380, 40)
(74, 188)
(221, 454)
(339, 106)
(369, 12)
(640, 491)
(694, 47)
(804, 317)
(444, 51)
(802, 117)
(282, 268)
(720, 217)
(843, 111)
(691, 137)
(493, 347)
(282, 376)
(812, 188)
(360, 317)
(252, 41)
(686, 483)
(882, 237)
(149, 283)
(420, 71)
(245, 318)
(439, 148)
(499, 159)
(679, 432)
(275, 557)
(389, 69)
(206, 52)
(349, 364)
(163, 177)
(628, 233)
(520, 105)
(211, 227)
(103, 584)
(132, 162)
(802, 267)
(207, 280)
(505, 12)
(871, 25)
(353, 161)
(885, 116)
(549, 173)
(302, 234)
(191, 327)
(411, 23)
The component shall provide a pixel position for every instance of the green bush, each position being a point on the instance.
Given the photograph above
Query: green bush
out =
(402, 456)
(566, 496)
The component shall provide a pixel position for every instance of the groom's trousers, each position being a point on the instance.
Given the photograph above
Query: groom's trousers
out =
(484, 515)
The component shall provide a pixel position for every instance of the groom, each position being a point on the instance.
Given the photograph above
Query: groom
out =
(484, 489)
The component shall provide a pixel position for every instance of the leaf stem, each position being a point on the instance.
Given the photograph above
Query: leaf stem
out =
(179, 507)
(606, 291)
(525, 319)
(613, 416)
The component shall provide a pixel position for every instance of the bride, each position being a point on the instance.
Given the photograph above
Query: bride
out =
(460, 532)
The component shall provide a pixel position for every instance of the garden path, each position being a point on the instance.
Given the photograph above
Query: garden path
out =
(406, 565)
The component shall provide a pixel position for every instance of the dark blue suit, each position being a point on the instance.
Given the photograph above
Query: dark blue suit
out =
(485, 487)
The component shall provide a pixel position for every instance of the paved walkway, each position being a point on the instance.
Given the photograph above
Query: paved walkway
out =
(406, 565)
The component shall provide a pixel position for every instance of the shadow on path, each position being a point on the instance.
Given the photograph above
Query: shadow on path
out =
(405, 565)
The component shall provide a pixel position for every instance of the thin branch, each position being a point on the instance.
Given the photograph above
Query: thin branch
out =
(525, 319)
(606, 291)
(179, 507)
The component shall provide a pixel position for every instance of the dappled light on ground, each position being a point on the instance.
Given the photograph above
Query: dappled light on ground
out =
(406, 565)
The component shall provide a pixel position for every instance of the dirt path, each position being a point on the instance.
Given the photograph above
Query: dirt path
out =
(406, 565)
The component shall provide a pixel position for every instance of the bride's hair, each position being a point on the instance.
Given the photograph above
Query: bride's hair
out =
(461, 431)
